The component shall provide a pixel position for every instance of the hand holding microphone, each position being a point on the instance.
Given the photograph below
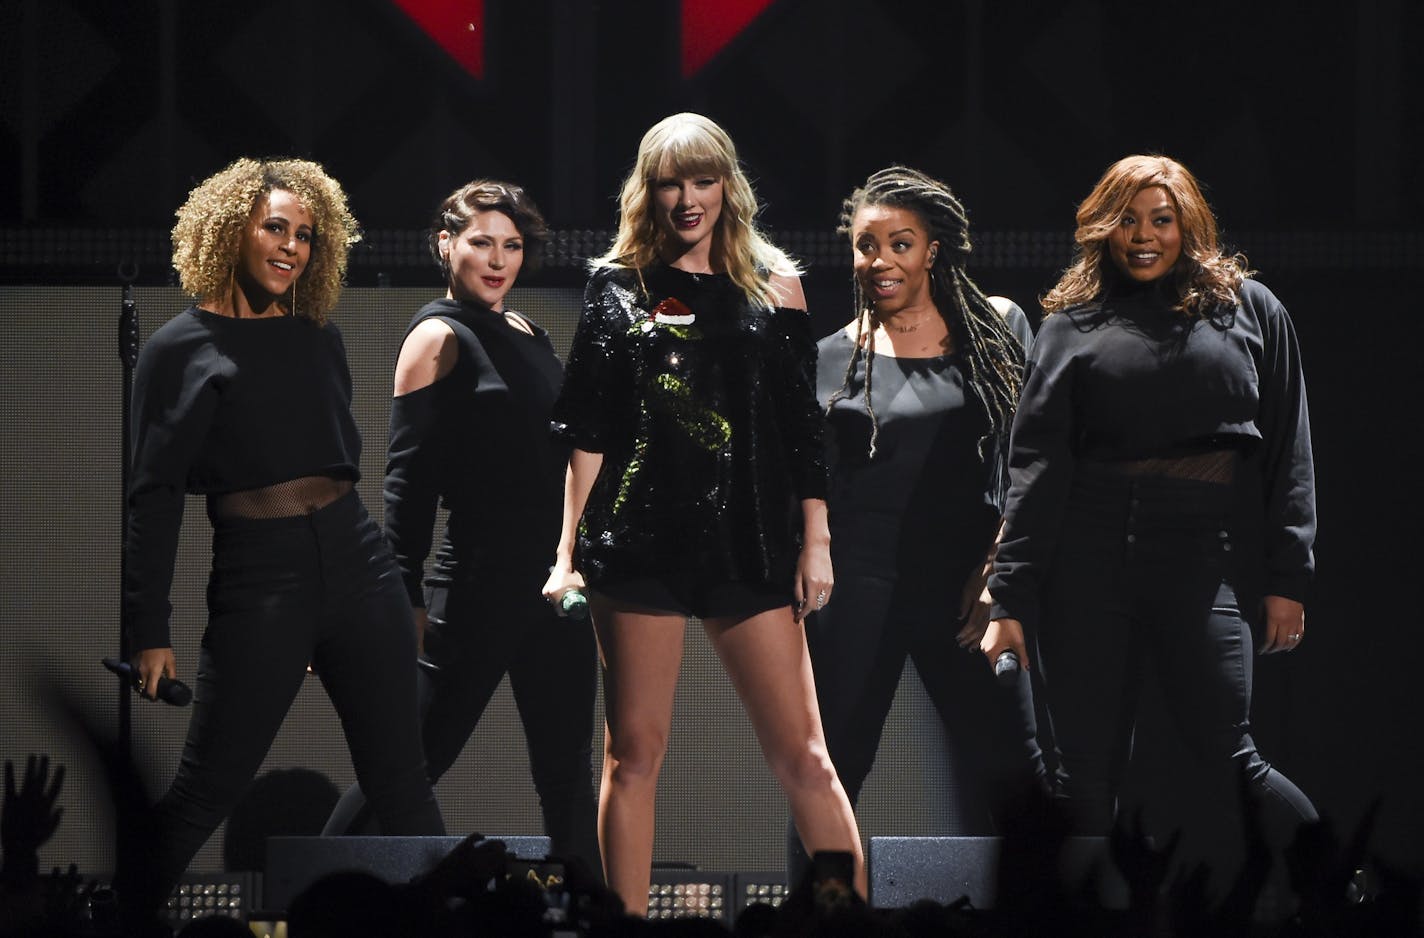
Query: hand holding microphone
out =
(169, 690)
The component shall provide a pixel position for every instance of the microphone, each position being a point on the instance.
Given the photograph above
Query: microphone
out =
(574, 604)
(170, 691)
(1006, 668)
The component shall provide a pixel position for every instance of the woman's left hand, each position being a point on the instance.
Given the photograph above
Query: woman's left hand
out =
(1285, 625)
(813, 579)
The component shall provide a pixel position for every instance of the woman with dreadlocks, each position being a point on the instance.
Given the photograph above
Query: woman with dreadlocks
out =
(1162, 496)
(919, 391)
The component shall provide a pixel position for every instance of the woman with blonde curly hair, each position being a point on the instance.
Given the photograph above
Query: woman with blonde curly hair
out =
(697, 485)
(1162, 497)
(246, 398)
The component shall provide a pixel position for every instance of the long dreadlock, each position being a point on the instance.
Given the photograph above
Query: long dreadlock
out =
(992, 354)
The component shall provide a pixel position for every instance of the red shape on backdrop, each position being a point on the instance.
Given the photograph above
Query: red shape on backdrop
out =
(708, 25)
(457, 25)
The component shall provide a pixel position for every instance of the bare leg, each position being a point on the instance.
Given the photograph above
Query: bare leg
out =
(766, 658)
(642, 654)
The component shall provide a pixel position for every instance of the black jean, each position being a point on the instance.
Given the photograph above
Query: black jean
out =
(322, 589)
(1147, 568)
(482, 627)
(859, 643)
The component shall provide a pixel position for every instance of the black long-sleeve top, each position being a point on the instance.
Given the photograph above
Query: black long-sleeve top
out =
(477, 441)
(224, 405)
(1128, 377)
(709, 428)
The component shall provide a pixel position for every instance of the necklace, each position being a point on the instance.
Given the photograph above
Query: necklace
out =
(895, 327)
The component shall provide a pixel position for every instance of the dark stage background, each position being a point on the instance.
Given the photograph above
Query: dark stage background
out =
(1303, 120)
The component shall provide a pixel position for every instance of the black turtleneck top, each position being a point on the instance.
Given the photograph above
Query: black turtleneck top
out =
(1127, 377)
(703, 405)
(477, 441)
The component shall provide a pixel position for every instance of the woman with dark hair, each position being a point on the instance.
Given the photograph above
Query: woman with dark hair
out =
(919, 390)
(1162, 498)
(246, 398)
(475, 384)
(696, 434)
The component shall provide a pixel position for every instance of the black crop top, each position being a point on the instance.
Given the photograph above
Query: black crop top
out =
(223, 405)
(1129, 378)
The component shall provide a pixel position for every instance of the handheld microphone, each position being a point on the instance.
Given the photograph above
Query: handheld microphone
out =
(169, 691)
(1006, 667)
(574, 604)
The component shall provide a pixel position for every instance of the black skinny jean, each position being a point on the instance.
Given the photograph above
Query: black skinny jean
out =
(1146, 568)
(482, 627)
(859, 643)
(322, 589)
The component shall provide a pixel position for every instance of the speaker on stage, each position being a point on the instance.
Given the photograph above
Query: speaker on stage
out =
(294, 863)
(903, 870)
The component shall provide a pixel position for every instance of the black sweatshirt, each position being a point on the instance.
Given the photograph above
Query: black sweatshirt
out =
(225, 405)
(1129, 378)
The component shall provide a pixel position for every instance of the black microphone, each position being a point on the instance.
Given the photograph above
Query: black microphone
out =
(170, 691)
(1006, 667)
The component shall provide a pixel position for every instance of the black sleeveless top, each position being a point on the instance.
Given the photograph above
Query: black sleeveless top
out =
(478, 441)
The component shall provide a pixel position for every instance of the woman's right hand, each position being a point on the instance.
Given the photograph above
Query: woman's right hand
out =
(1004, 635)
(152, 664)
(562, 578)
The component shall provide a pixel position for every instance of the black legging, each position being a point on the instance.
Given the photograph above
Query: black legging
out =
(480, 628)
(1146, 568)
(859, 644)
(284, 592)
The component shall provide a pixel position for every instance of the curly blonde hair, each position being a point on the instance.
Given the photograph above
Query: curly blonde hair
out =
(1205, 277)
(208, 234)
(691, 145)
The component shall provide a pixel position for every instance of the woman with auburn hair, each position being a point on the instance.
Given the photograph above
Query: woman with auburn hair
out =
(697, 485)
(246, 398)
(1162, 501)
(919, 390)
(475, 384)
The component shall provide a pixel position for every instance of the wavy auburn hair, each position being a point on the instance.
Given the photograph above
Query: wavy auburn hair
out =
(208, 234)
(1204, 276)
(692, 145)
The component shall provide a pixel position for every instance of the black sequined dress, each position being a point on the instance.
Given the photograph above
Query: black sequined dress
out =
(703, 405)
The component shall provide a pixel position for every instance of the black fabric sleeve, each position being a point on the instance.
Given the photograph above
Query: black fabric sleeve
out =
(597, 380)
(173, 406)
(998, 453)
(1041, 461)
(412, 486)
(1287, 468)
(801, 420)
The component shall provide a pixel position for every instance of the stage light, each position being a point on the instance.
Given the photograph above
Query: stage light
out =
(688, 894)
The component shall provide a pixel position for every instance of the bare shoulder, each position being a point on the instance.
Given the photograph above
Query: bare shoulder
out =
(428, 354)
(1003, 304)
(787, 288)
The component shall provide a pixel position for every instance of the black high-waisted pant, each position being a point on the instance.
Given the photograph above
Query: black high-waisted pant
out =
(859, 644)
(1146, 569)
(483, 626)
(323, 589)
